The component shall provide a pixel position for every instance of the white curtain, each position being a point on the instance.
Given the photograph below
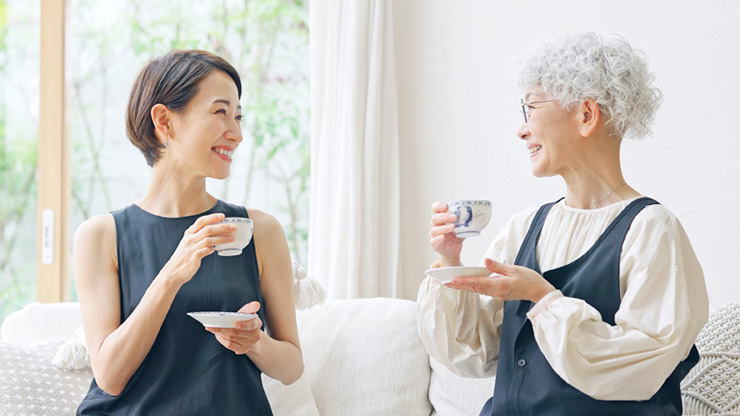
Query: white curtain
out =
(353, 247)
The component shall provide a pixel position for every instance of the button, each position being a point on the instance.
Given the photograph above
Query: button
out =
(521, 362)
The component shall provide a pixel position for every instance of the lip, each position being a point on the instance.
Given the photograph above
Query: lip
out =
(531, 149)
(224, 152)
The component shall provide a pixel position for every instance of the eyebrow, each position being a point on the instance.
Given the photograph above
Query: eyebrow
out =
(227, 102)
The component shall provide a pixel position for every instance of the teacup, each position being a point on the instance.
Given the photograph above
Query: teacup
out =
(242, 236)
(472, 216)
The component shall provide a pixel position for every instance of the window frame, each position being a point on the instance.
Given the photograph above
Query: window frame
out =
(54, 183)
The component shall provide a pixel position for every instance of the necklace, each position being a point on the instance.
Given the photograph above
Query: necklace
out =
(607, 194)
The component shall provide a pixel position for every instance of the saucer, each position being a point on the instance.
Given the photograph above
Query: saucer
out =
(445, 274)
(466, 234)
(221, 319)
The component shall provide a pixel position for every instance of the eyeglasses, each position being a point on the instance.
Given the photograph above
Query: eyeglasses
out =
(527, 107)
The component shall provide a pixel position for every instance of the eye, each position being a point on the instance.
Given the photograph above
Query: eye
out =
(238, 118)
(222, 111)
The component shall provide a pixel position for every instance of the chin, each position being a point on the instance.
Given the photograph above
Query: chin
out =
(221, 175)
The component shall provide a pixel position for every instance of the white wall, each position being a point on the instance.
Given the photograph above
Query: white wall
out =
(459, 111)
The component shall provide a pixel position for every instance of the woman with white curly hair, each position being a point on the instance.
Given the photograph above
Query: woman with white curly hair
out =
(595, 300)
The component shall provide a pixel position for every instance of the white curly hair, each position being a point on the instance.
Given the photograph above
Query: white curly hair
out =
(607, 69)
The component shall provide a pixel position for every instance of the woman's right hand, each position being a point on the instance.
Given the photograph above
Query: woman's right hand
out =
(442, 235)
(197, 242)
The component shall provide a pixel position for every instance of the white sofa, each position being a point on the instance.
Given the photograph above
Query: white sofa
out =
(363, 357)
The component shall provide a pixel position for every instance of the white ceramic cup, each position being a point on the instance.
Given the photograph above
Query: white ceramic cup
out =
(242, 236)
(472, 216)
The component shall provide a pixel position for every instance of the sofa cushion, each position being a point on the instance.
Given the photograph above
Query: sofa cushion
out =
(451, 394)
(712, 387)
(30, 385)
(293, 400)
(365, 357)
(41, 320)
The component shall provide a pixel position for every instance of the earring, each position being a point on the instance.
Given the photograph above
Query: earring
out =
(169, 141)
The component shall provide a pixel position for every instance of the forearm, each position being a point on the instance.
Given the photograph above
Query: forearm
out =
(280, 360)
(122, 352)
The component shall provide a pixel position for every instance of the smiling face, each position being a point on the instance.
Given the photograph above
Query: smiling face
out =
(208, 131)
(549, 135)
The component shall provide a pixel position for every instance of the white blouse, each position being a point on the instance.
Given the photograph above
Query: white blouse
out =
(664, 306)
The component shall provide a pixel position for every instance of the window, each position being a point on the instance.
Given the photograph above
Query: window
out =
(19, 117)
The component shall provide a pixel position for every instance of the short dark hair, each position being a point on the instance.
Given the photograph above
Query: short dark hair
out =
(172, 80)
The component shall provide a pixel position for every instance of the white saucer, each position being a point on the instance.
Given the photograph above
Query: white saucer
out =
(221, 319)
(445, 274)
(467, 234)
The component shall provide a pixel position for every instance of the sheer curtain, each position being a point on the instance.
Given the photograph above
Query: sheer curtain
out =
(353, 247)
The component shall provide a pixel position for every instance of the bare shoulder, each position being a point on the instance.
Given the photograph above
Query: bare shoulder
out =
(99, 230)
(96, 238)
(271, 246)
(266, 226)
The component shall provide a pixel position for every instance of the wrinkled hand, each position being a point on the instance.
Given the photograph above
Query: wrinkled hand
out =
(244, 335)
(442, 236)
(505, 283)
(196, 243)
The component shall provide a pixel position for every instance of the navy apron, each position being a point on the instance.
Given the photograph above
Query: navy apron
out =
(526, 384)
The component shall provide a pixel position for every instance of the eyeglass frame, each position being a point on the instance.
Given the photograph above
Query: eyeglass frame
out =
(529, 103)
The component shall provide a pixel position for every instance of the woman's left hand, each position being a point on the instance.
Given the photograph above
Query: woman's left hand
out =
(244, 335)
(507, 283)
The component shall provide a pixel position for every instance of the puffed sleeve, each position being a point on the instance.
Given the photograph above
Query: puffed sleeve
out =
(663, 308)
(460, 329)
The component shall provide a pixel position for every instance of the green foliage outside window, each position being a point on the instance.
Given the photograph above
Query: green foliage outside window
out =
(18, 155)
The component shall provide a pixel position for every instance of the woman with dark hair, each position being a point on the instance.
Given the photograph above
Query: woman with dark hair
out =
(139, 270)
(594, 301)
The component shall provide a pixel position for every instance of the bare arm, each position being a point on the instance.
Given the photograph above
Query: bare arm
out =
(118, 349)
(276, 353)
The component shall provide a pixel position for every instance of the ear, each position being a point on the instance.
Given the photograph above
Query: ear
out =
(162, 120)
(589, 117)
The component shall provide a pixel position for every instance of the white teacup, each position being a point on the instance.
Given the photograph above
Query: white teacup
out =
(472, 216)
(242, 236)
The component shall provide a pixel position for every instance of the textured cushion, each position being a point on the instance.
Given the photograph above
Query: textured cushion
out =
(712, 387)
(364, 357)
(452, 395)
(30, 385)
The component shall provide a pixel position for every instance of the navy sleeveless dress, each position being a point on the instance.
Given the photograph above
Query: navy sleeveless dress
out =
(187, 371)
(526, 384)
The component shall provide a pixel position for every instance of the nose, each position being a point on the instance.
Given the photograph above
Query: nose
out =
(523, 131)
(235, 133)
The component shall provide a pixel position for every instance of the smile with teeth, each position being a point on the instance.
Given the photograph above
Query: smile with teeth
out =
(534, 149)
(224, 152)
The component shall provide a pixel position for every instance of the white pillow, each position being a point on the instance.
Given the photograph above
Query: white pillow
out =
(293, 400)
(364, 357)
(41, 320)
(30, 385)
(452, 395)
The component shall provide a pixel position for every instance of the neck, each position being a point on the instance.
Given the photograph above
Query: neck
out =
(595, 179)
(171, 194)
